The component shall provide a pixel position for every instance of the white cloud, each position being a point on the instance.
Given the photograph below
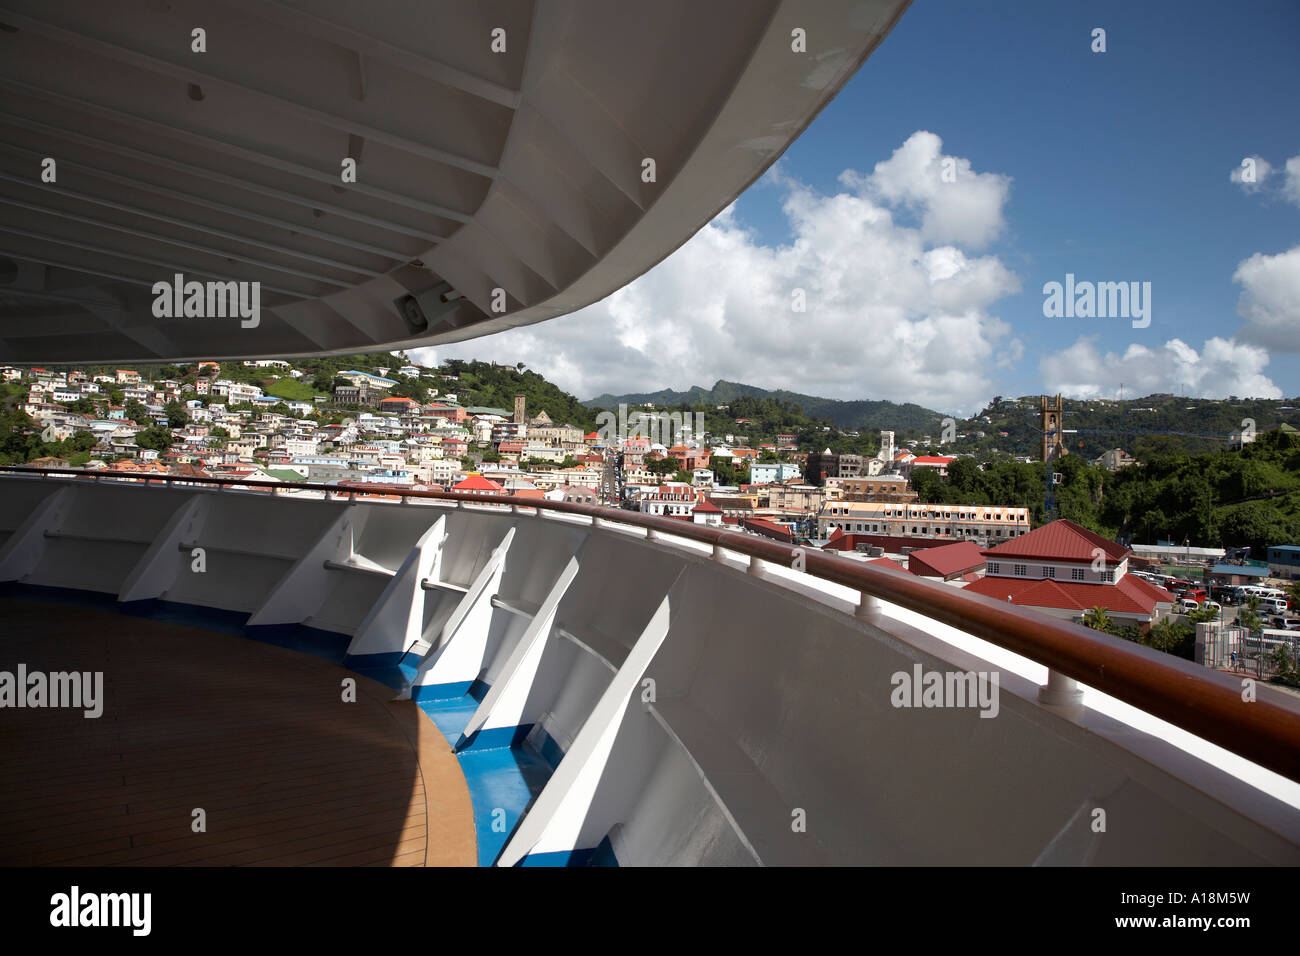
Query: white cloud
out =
(892, 311)
(1291, 185)
(1262, 168)
(1270, 297)
(955, 204)
(1222, 368)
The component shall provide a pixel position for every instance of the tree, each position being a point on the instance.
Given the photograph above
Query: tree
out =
(410, 388)
(1098, 619)
(663, 466)
(177, 416)
(1249, 616)
(928, 485)
(1284, 666)
(137, 412)
(154, 437)
(724, 471)
(1173, 637)
(82, 406)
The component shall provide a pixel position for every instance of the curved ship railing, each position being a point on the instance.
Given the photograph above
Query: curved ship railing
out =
(1208, 704)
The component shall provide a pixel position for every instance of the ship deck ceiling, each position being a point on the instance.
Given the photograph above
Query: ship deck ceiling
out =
(499, 149)
(256, 736)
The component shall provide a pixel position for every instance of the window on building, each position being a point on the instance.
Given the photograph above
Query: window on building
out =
(1019, 570)
(1050, 571)
(1107, 576)
(1076, 574)
(994, 567)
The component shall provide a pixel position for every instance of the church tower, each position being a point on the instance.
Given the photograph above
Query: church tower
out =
(1052, 413)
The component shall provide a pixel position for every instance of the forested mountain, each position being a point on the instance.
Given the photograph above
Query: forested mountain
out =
(915, 420)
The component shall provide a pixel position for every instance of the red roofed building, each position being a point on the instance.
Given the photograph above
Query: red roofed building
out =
(477, 485)
(768, 529)
(667, 500)
(706, 512)
(691, 458)
(888, 563)
(948, 561)
(938, 462)
(452, 413)
(1063, 569)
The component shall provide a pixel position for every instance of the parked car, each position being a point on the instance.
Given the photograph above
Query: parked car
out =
(1224, 595)
(1212, 605)
(1187, 604)
(1285, 623)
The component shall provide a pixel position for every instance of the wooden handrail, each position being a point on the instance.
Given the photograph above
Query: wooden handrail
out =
(1206, 703)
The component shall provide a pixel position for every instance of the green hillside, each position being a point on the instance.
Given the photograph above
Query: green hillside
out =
(495, 386)
(907, 420)
(1144, 427)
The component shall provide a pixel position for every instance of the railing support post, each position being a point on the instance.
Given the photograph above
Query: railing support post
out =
(868, 607)
(1060, 691)
(756, 566)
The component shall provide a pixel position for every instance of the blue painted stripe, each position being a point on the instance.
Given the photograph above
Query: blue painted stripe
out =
(494, 738)
(600, 855)
(441, 691)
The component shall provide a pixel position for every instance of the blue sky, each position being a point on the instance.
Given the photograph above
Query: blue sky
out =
(1112, 166)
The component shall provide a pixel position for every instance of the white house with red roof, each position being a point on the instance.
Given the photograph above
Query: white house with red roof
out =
(939, 463)
(670, 500)
(1063, 570)
(477, 485)
(706, 512)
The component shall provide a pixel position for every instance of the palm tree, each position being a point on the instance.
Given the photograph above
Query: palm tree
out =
(1097, 619)
(1248, 617)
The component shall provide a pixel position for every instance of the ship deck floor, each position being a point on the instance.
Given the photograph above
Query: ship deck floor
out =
(257, 737)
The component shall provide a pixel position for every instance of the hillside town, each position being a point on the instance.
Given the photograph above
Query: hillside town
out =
(364, 438)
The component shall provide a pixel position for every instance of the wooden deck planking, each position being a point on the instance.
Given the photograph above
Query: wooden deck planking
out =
(256, 735)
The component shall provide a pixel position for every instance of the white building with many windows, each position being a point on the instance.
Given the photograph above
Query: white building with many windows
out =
(957, 522)
(670, 500)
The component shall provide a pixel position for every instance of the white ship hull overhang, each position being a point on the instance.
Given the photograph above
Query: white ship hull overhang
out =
(656, 692)
(494, 188)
